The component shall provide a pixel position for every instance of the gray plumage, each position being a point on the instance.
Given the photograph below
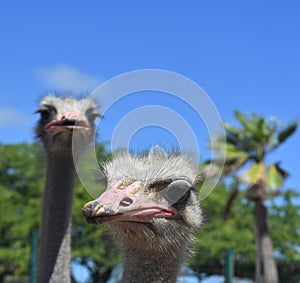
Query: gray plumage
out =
(152, 209)
(154, 166)
(66, 126)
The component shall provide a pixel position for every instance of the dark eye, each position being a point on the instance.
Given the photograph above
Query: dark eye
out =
(44, 114)
(93, 116)
(177, 191)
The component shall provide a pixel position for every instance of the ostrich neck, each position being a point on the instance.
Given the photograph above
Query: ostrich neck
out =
(55, 240)
(151, 267)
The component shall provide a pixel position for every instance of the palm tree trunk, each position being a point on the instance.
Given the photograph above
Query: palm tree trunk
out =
(234, 193)
(264, 247)
(258, 259)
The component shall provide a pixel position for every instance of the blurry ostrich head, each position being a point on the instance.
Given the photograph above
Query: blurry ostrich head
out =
(66, 121)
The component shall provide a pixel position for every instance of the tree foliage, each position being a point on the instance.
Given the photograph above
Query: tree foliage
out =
(250, 144)
(236, 232)
(22, 171)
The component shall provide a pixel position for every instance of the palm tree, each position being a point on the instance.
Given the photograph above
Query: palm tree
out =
(248, 146)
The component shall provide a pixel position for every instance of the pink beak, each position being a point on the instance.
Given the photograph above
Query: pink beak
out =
(70, 120)
(124, 204)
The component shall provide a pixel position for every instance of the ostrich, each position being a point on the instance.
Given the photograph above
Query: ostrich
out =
(152, 209)
(61, 120)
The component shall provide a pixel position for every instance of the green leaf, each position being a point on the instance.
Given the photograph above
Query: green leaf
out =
(242, 119)
(284, 174)
(287, 132)
(256, 172)
(230, 129)
(233, 152)
(274, 176)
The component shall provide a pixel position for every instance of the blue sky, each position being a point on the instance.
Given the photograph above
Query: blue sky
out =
(244, 54)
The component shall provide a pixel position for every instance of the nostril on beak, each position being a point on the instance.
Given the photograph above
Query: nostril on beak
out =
(126, 201)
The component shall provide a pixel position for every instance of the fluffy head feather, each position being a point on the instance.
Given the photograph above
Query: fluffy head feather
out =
(155, 166)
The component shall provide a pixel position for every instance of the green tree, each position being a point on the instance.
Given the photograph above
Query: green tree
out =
(285, 219)
(21, 172)
(216, 234)
(237, 232)
(21, 187)
(249, 146)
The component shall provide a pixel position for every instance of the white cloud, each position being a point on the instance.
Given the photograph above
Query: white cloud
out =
(66, 78)
(13, 118)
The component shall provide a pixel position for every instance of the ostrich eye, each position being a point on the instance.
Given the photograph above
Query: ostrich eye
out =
(44, 114)
(177, 191)
(91, 114)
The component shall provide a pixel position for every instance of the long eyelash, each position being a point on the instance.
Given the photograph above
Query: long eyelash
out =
(49, 108)
(159, 185)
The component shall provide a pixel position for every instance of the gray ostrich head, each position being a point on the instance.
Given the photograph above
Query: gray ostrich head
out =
(150, 202)
(63, 119)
